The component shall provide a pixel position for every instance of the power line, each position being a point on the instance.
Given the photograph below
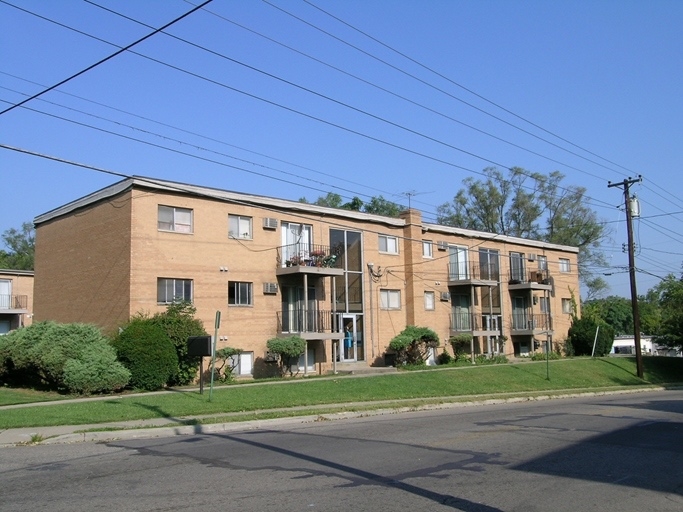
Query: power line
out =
(102, 61)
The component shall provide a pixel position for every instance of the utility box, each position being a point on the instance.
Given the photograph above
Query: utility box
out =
(199, 346)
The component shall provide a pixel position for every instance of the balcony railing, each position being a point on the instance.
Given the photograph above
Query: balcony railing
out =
(462, 272)
(299, 321)
(538, 276)
(13, 301)
(311, 255)
(468, 322)
(529, 322)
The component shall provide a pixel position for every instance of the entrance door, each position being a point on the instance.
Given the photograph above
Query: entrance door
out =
(352, 347)
(519, 313)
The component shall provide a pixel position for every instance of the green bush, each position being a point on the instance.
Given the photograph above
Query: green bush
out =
(288, 349)
(444, 358)
(461, 344)
(483, 360)
(40, 354)
(582, 335)
(413, 344)
(179, 323)
(96, 371)
(541, 356)
(145, 349)
(226, 362)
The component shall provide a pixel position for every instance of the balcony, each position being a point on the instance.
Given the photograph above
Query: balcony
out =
(475, 324)
(460, 274)
(14, 303)
(314, 324)
(523, 279)
(524, 323)
(308, 259)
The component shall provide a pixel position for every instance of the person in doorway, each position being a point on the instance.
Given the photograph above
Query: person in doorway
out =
(348, 341)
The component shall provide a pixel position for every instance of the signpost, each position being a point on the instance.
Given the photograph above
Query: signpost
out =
(213, 352)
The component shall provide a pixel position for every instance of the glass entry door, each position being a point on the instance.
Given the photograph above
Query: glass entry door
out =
(352, 347)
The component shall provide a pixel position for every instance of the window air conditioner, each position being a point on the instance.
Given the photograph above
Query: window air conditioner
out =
(445, 296)
(269, 223)
(442, 246)
(269, 287)
(531, 257)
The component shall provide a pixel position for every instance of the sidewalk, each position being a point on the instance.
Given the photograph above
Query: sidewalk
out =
(167, 427)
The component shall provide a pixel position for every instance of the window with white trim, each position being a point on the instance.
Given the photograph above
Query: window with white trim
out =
(427, 249)
(564, 265)
(542, 262)
(173, 290)
(239, 226)
(388, 244)
(390, 299)
(430, 301)
(174, 219)
(544, 302)
(239, 293)
(567, 306)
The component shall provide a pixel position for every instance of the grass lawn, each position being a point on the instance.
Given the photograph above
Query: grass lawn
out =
(445, 384)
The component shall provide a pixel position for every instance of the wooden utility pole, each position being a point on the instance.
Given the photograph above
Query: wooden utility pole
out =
(632, 268)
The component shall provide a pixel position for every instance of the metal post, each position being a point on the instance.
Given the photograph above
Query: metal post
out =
(213, 351)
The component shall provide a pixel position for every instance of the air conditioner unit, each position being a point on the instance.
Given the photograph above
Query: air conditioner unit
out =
(269, 287)
(269, 223)
(445, 296)
(442, 246)
(531, 257)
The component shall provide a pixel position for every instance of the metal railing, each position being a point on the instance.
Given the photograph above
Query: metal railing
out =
(298, 320)
(462, 271)
(311, 255)
(13, 301)
(467, 322)
(540, 276)
(529, 322)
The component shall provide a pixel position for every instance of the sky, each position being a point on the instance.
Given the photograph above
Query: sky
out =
(404, 99)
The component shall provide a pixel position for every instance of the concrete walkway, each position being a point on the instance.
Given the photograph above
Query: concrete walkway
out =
(165, 427)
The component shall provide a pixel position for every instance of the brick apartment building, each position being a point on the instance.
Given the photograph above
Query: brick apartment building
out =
(345, 281)
(16, 299)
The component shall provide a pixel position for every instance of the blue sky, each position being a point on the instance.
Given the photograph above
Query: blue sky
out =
(291, 102)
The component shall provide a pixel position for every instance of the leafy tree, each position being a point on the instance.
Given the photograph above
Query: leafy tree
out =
(226, 362)
(669, 295)
(288, 349)
(530, 205)
(21, 245)
(614, 311)
(412, 345)
(461, 344)
(377, 205)
(331, 200)
(380, 206)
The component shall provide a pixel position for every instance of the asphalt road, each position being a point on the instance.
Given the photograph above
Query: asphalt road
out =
(619, 452)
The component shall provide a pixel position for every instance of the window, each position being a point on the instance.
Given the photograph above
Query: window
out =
(542, 262)
(427, 250)
(239, 227)
(564, 265)
(567, 306)
(545, 304)
(390, 299)
(429, 301)
(173, 290)
(239, 294)
(175, 219)
(388, 244)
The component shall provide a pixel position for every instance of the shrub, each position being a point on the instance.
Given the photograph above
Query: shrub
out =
(288, 349)
(582, 335)
(226, 363)
(541, 356)
(145, 349)
(482, 360)
(413, 344)
(444, 358)
(461, 343)
(179, 323)
(41, 353)
(96, 371)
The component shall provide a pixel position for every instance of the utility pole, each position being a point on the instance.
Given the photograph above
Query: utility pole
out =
(632, 267)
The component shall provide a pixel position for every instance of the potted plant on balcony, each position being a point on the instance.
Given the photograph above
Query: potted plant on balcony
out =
(317, 256)
(294, 261)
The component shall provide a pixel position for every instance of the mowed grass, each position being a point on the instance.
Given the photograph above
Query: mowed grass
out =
(447, 384)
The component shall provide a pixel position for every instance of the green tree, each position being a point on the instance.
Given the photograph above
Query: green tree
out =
(413, 344)
(581, 337)
(614, 311)
(377, 205)
(530, 205)
(21, 244)
(669, 295)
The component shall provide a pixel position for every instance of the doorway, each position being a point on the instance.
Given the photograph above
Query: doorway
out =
(352, 347)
